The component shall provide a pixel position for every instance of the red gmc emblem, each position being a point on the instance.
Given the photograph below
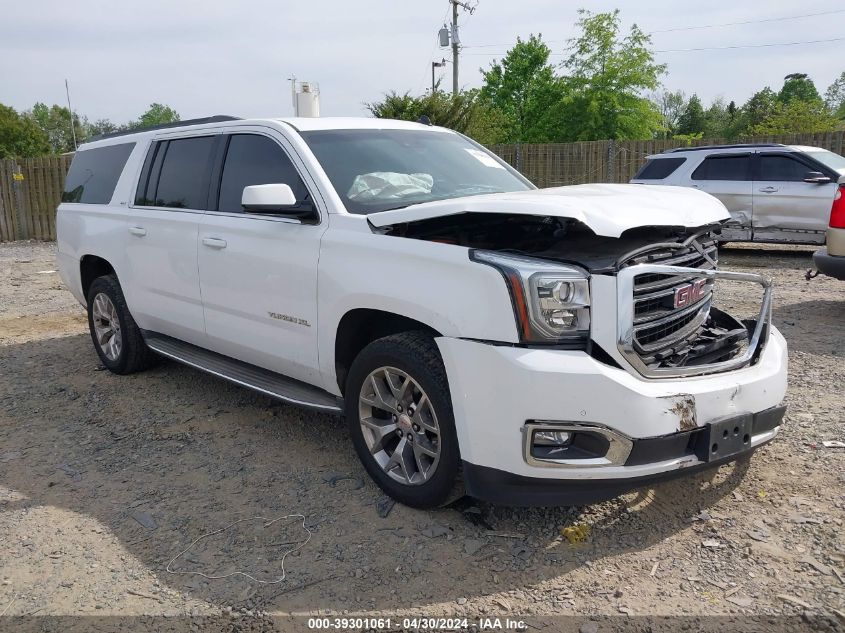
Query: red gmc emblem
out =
(690, 293)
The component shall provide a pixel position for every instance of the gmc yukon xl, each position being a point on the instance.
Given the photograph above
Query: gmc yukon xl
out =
(535, 346)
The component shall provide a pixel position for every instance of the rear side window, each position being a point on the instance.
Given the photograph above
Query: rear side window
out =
(782, 168)
(659, 168)
(176, 174)
(724, 168)
(94, 173)
(252, 159)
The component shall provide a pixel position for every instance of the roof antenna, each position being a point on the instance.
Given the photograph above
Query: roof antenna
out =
(424, 120)
(70, 108)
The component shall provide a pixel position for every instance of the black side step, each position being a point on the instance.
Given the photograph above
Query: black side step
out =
(244, 374)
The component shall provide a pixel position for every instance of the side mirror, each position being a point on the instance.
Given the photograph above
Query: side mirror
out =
(816, 177)
(274, 198)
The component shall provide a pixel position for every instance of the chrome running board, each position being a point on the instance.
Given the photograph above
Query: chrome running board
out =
(243, 374)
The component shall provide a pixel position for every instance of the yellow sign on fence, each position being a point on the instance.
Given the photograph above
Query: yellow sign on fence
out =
(17, 176)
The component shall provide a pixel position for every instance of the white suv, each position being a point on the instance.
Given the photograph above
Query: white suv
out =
(775, 193)
(541, 346)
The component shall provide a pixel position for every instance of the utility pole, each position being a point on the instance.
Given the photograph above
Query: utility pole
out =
(434, 65)
(455, 46)
(456, 39)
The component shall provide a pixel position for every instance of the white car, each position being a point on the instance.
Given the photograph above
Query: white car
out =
(550, 346)
(775, 193)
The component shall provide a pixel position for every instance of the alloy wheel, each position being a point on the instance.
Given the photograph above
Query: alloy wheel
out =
(107, 326)
(399, 425)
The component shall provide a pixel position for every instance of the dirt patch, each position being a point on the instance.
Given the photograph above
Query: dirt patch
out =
(105, 479)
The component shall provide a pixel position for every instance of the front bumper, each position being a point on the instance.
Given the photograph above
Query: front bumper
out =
(497, 389)
(828, 264)
(688, 451)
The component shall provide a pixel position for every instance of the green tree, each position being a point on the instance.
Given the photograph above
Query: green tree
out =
(834, 97)
(757, 109)
(464, 112)
(797, 117)
(55, 122)
(100, 126)
(156, 114)
(798, 86)
(692, 120)
(20, 137)
(717, 120)
(524, 88)
(608, 76)
(670, 105)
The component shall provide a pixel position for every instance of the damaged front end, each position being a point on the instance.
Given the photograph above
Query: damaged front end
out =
(692, 337)
(667, 325)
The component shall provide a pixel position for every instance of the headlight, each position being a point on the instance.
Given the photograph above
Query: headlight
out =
(551, 301)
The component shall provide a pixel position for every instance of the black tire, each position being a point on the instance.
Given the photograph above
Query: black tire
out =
(416, 354)
(134, 354)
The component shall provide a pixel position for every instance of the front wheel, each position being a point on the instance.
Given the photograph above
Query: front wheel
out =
(399, 413)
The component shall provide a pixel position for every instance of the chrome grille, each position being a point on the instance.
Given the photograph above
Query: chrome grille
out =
(660, 329)
(694, 340)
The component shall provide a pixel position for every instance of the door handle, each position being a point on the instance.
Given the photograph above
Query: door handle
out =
(214, 242)
(768, 189)
(140, 231)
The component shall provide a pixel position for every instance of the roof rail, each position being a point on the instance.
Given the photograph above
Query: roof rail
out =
(735, 146)
(217, 118)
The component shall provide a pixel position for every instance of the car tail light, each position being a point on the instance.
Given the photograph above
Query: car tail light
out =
(837, 211)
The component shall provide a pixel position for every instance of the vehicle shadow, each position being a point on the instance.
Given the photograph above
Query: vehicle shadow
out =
(815, 327)
(161, 458)
(785, 251)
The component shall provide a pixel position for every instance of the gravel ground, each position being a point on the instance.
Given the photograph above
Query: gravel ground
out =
(105, 479)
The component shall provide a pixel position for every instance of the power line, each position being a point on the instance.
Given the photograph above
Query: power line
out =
(707, 48)
(724, 48)
(715, 26)
(701, 26)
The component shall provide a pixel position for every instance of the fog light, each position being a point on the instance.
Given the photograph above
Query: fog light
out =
(552, 438)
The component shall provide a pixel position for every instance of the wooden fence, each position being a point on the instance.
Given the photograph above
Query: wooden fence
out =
(30, 189)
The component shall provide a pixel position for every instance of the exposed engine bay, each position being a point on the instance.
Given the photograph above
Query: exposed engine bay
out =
(666, 334)
(559, 239)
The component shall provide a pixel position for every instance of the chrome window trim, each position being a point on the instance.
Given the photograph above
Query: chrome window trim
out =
(625, 319)
(617, 454)
(228, 130)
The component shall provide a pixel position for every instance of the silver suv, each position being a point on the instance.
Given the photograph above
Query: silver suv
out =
(775, 193)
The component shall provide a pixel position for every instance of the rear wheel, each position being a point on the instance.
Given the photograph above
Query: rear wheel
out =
(117, 338)
(399, 413)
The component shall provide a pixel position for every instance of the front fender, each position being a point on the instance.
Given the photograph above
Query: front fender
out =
(435, 284)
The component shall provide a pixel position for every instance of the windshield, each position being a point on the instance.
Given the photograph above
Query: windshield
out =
(829, 159)
(378, 170)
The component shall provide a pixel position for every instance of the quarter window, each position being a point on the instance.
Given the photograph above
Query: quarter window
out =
(252, 159)
(724, 168)
(94, 173)
(782, 168)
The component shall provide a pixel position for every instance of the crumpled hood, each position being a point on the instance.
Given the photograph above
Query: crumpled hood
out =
(609, 210)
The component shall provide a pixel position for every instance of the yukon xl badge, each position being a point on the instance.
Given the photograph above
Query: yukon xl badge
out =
(688, 294)
(289, 319)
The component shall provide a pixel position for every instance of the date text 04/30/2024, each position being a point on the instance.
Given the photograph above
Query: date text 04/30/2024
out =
(417, 623)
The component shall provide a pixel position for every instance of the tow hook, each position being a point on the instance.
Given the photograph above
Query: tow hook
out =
(811, 274)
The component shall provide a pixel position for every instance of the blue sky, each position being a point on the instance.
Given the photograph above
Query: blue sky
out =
(235, 57)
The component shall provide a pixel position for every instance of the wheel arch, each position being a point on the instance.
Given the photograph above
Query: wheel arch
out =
(91, 267)
(361, 326)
